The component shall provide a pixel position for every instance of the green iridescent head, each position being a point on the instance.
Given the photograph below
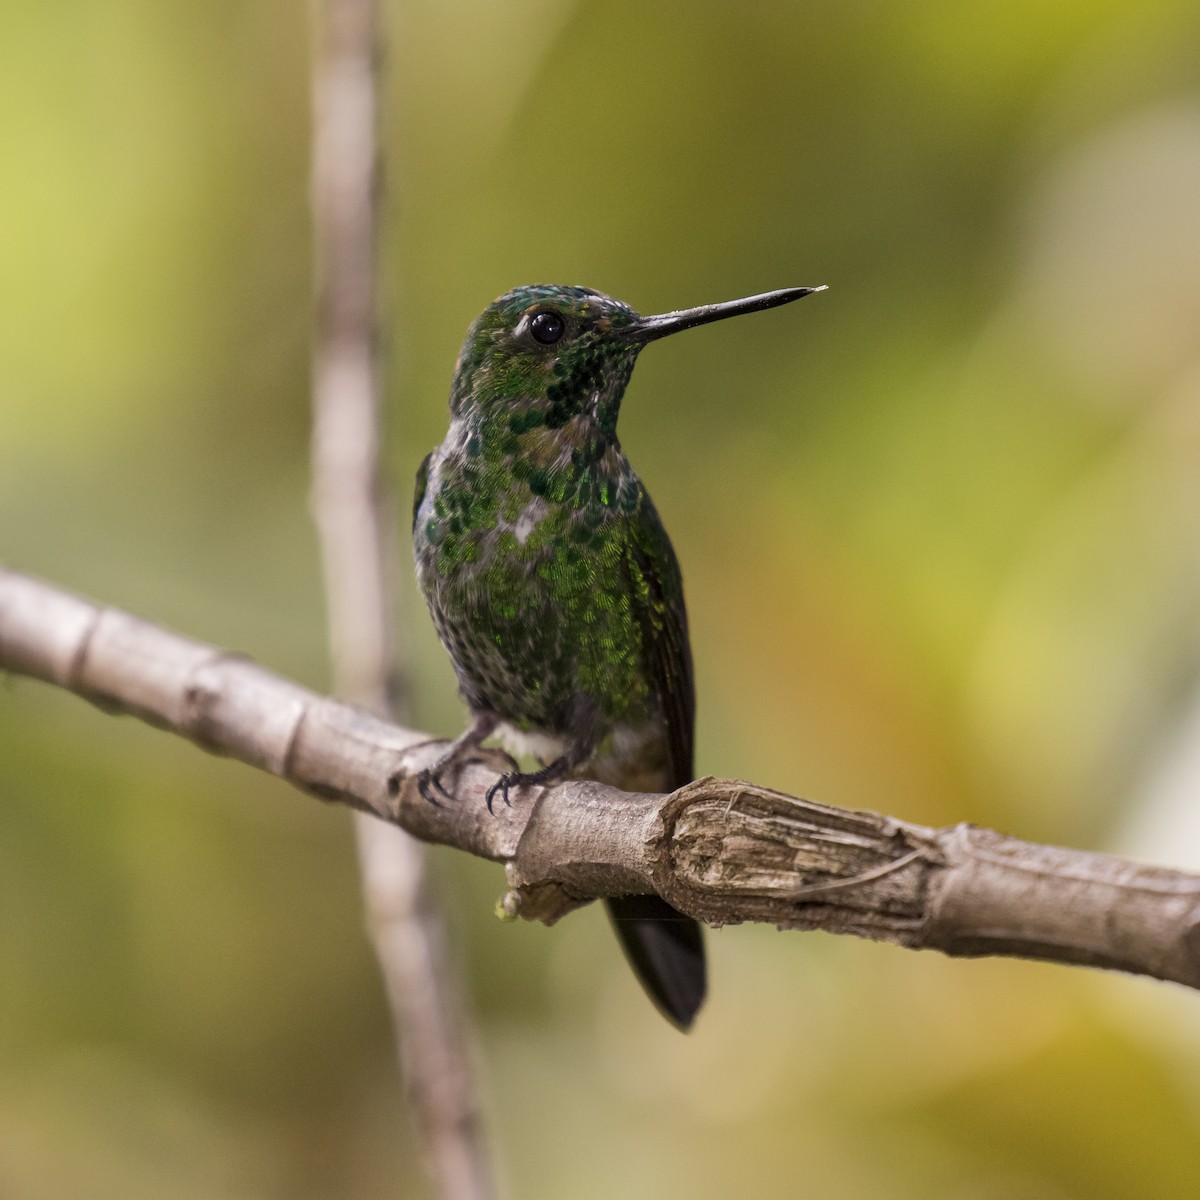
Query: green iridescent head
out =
(568, 352)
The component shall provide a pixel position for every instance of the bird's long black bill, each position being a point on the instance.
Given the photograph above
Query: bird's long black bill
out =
(647, 329)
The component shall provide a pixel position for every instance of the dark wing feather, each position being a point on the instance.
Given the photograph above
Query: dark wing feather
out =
(658, 591)
(666, 951)
(664, 948)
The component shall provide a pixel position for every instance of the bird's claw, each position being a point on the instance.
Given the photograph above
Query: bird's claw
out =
(429, 782)
(547, 774)
(502, 785)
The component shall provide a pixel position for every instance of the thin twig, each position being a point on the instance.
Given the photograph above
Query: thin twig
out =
(961, 890)
(350, 509)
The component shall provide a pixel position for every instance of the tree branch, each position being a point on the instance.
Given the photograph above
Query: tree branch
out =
(720, 850)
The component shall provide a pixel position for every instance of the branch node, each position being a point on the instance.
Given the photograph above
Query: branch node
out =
(78, 659)
(546, 901)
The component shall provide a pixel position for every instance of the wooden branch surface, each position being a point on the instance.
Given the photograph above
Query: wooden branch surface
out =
(720, 850)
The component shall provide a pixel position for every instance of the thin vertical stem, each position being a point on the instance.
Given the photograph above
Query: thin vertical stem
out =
(352, 518)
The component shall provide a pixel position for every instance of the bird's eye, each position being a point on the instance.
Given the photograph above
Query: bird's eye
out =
(547, 327)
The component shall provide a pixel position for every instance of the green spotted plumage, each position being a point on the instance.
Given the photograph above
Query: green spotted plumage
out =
(547, 570)
(551, 580)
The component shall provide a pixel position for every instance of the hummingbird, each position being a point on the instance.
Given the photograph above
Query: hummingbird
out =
(552, 582)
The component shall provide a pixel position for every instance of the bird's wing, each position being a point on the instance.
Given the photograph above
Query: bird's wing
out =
(658, 592)
(422, 483)
(665, 948)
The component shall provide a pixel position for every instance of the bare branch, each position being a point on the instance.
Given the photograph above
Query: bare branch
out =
(351, 514)
(719, 850)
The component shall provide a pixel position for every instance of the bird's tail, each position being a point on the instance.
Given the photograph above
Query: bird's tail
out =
(666, 952)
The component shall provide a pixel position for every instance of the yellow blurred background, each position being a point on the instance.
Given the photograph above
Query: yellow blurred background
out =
(938, 529)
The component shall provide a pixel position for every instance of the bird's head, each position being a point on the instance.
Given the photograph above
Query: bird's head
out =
(546, 356)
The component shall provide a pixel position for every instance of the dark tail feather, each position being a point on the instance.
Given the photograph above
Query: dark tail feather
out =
(666, 952)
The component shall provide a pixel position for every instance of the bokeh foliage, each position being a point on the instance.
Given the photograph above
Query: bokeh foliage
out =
(937, 527)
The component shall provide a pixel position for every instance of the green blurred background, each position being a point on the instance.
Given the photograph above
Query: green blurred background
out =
(938, 528)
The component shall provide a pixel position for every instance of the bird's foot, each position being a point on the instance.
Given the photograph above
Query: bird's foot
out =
(396, 779)
(429, 784)
(551, 773)
(459, 753)
(456, 759)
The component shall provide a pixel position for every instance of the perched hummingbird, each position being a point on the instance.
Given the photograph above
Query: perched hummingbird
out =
(552, 582)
